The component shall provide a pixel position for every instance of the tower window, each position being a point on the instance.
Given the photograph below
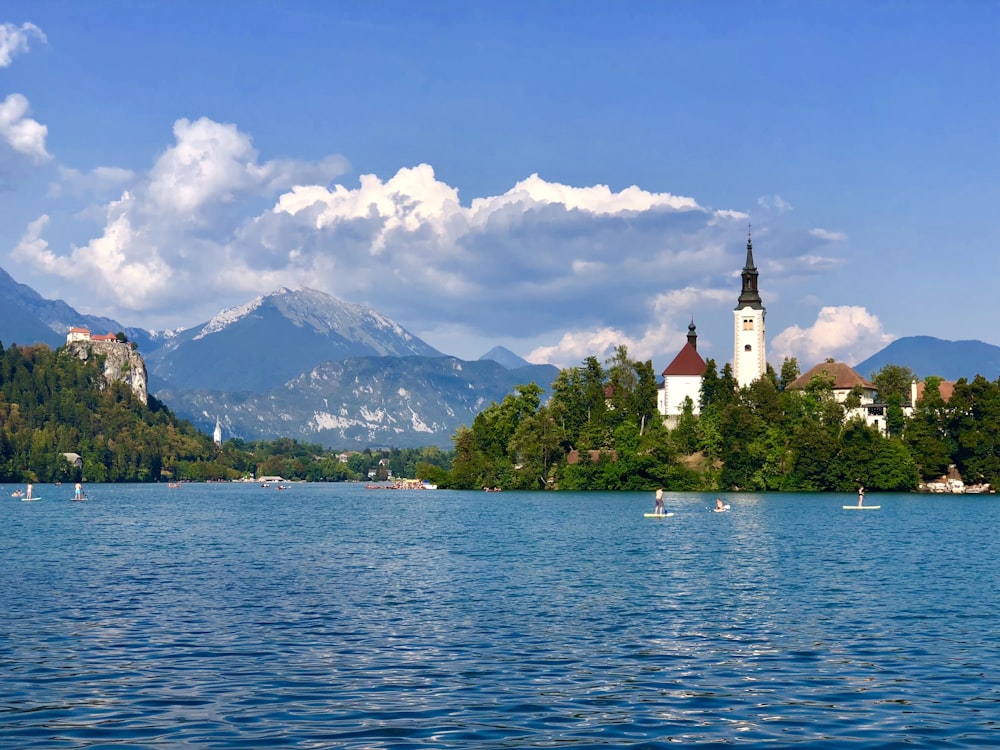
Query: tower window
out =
(747, 324)
(746, 348)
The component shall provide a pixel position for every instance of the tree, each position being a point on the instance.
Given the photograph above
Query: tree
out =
(789, 372)
(926, 433)
(894, 381)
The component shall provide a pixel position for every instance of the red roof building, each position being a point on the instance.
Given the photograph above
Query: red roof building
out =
(682, 381)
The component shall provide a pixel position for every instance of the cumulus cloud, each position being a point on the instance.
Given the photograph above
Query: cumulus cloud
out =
(17, 39)
(662, 337)
(171, 238)
(847, 333)
(212, 163)
(20, 132)
(571, 269)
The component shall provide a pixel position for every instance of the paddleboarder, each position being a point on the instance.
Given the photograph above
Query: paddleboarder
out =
(659, 501)
(861, 495)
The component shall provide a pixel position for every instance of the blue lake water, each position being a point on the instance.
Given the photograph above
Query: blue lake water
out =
(330, 616)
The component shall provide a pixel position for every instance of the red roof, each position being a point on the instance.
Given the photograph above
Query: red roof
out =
(946, 387)
(687, 362)
(76, 329)
(843, 375)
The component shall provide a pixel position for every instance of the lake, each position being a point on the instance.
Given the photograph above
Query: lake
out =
(330, 616)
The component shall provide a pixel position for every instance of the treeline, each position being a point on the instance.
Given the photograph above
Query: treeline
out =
(53, 404)
(600, 430)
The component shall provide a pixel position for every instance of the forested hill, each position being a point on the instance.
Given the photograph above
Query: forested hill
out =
(52, 403)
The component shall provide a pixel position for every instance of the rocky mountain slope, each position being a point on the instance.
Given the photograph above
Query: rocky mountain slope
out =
(119, 363)
(26, 317)
(367, 401)
(274, 338)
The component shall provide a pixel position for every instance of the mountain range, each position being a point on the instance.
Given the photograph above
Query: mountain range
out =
(274, 338)
(926, 356)
(298, 364)
(306, 365)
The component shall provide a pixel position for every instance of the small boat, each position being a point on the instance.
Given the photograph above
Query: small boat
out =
(173, 485)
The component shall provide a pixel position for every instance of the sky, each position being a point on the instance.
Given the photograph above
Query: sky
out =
(560, 178)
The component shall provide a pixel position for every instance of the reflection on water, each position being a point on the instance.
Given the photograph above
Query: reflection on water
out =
(223, 617)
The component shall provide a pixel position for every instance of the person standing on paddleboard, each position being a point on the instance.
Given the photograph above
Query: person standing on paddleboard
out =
(861, 495)
(659, 501)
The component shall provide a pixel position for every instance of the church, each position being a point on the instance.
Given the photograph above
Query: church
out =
(682, 377)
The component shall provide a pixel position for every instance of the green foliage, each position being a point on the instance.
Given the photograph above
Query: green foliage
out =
(600, 431)
(52, 403)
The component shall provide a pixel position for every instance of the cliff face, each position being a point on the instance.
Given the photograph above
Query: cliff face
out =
(121, 363)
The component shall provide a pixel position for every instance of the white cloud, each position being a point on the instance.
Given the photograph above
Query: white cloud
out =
(33, 249)
(774, 203)
(16, 39)
(214, 163)
(597, 200)
(97, 181)
(823, 234)
(20, 132)
(542, 262)
(848, 334)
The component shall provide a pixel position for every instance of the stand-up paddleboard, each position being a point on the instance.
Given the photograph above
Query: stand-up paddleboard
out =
(723, 509)
(862, 507)
(657, 515)
(29, 499)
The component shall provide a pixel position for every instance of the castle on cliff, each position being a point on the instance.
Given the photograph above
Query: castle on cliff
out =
(121, 362)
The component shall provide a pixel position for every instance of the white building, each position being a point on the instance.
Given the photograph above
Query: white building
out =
(749, 361)
(77, 333)
(681, 380)
(845, 380)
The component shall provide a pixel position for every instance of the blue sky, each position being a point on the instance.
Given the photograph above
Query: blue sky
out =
(558, 177)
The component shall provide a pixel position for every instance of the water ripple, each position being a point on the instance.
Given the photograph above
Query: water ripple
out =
(219, 618)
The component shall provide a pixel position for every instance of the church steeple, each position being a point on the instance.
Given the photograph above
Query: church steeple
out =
(692, 336)
(749, 297)
(749, 361)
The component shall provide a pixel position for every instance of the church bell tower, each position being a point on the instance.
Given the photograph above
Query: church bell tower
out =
(749, 362)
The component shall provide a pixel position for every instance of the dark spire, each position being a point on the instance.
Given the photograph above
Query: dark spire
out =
(692, 336)
(749, 297)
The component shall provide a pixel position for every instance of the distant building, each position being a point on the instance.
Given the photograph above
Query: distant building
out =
(77, 334)
(75, 460)
(749, 361)
(681, 380)
(845, 380)
(217, 435)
